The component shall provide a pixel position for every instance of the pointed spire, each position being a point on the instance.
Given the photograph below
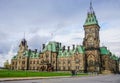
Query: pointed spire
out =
(91, 8)
(91, 17)
(24, 35)
(24, 40)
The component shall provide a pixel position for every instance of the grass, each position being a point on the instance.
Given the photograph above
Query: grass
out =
(12, 73)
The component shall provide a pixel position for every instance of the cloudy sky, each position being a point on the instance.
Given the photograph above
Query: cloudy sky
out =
(64, 19)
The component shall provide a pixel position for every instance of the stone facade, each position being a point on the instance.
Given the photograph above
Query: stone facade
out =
(53, 57)
(89, 57)
(6, 65)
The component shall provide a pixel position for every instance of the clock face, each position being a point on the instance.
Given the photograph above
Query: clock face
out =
(90, 41)
(21, 49)
(88, 31)
(77, 60)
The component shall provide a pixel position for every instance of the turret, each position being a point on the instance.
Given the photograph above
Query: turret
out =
(91, 28)
(23, 45)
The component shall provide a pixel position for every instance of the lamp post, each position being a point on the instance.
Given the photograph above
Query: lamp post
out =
(97, 68)
(119, 65)
(57, 56)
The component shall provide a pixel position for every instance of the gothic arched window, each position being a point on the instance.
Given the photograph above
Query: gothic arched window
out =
(91, 63)
(90, 41)
(47, 55)
(68, 61)
(77, 61)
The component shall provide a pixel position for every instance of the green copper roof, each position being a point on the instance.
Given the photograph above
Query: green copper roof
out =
(34, 55)
(104, 51)
(14, 57)
(52, 46)
(71, 52)
(80, 49)
(91, 19)
(66, 53)
(31, 54)
(26, 53)
(114, 57)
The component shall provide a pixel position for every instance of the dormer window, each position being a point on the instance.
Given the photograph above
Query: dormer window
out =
(89, 20)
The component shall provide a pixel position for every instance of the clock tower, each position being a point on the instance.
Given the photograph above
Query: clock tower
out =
(23, 46)
(91, 42)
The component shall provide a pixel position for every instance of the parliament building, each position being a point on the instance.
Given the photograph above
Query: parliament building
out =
(54, 56)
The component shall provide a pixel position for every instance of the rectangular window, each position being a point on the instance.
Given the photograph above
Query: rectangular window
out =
(77, 67)
(33, 68)
(63, 67)
(33, 62)
(37, 68)
(68, 67)
(37, 62)
(23, 62)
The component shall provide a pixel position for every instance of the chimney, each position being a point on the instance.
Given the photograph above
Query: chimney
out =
(35, 50)
(73, 46)
(57, 47)
(43, 46)
(40, 51)
(68, 48)
(29, 52)
(60, 44)
(63, 48)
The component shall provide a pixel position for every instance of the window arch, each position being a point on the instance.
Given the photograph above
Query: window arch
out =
(68, 61)
(91, 63)
(89, 20)
(77, 61)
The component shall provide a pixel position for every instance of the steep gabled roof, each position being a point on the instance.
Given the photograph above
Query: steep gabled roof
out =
(114, 57)
(104, 51)
(71, 52)
(14, 57)
(34, 55)
(52, 46)
(31, 54)
(91, 17)
(80, 49)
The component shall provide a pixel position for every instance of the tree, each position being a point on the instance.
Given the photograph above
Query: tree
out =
(6, 64)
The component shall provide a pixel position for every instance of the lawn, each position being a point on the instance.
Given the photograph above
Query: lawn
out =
(12, 73)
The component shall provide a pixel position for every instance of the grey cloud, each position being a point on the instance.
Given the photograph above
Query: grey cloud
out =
(3, 35)
(6, 46)
(36, 42)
